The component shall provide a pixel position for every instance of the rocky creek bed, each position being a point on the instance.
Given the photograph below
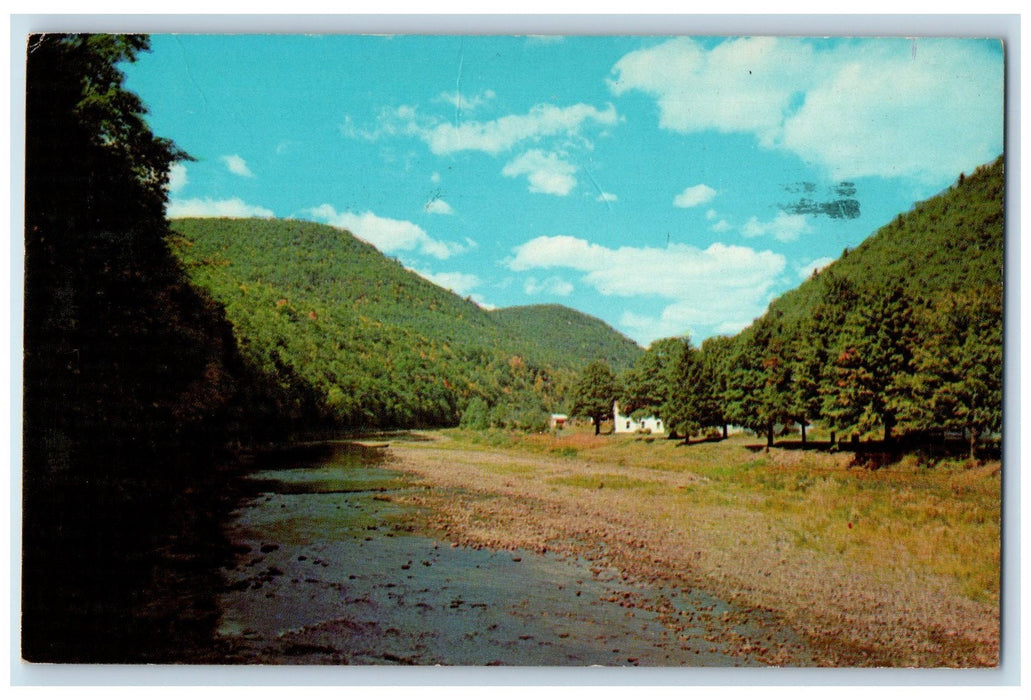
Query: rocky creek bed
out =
(337, 560)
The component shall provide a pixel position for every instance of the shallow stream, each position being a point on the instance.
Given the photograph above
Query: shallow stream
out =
(328, 568)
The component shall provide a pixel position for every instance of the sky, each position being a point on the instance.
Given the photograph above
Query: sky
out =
(666, 185)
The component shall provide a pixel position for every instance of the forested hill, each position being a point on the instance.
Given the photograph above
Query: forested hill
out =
(948, 244)
(901, 336)
(561, 333)
(366, 343)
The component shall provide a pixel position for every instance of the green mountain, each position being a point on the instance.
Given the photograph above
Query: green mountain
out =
(944, 245)
(562, 335)
(358, 340)
(901, 335)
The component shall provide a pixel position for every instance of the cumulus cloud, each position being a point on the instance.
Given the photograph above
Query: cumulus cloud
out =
(461, 283)
(607, 197)
(694, 196)
(438, 206)
(858, 108)
(388, 235)
(237, 166)
(784, 227)
(177, 178)
(929, 109)
(552, 285)
(712, 288)
(547, 173)
(234, 208)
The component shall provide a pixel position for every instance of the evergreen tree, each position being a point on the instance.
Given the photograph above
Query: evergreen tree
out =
(759, 380)
(815, 335)
(957, 379)
(714, 356)
(595, 393)
(648, 387)
(872, 358)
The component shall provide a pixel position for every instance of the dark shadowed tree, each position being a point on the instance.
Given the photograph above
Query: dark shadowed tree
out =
(129, 374)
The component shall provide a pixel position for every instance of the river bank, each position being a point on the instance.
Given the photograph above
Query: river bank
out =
(674, 523)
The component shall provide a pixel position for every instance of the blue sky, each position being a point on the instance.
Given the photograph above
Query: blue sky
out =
(668, 186)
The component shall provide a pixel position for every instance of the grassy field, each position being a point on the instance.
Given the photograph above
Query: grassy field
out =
(894, 566)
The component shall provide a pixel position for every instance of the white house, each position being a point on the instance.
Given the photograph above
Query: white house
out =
(558, 420)
(626, 424)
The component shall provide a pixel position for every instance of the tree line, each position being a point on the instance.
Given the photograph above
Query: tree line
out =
(863, 364)
(894, 339)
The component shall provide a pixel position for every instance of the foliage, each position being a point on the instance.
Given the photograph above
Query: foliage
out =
(647, 389)
(901, 335)
(132, 378)
(560, 333)
(363, 343)
(957, 377)
(594, 394)
(759, 379)
(872, 356)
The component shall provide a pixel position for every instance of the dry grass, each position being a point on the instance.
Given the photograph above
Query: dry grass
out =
(898, 566)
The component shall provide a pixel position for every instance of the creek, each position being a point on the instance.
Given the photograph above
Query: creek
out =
(328, 568)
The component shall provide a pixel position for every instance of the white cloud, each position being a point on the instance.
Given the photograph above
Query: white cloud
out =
(552, 285)
(465, 102)
(721, 226)
(237, 166)
(502, 134)
(806, 271)
(234, 208)
(460, 283)
(177, 178)
(694, 196)
(926, 108)
(709, 288)
(607, 197)
(438, 206)
(546, 172)
(739, 85)
(784, 227)
(388, 235)
(435, 178)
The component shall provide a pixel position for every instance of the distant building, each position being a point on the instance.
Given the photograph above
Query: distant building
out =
(558, 420)
(626, 424)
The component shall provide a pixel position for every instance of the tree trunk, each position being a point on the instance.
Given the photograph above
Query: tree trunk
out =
(973, 442)
(769, 435)
(832, 438)
(724, 431)
(597, 425)
(803, 431)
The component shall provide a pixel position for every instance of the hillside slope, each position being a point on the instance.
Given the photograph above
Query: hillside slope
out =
(562, 335)
(367, 342)
(903, 335)
(946, 244)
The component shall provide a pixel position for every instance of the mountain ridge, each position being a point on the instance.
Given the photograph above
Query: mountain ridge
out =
(384, 346)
